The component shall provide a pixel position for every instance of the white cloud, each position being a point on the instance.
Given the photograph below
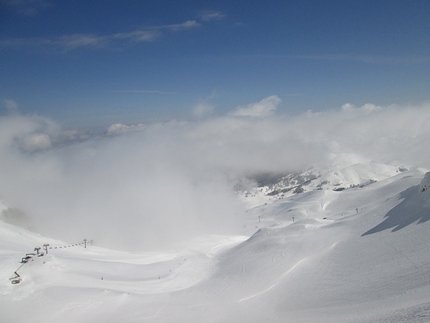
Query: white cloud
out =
(35, 142)
(202, 109)
(119, 129)
(80, 40)
(11, 106)
(368, 107)
(264, 108)
(75, 41)
(161, 183)
(211, 15)
(26, 133)
(138, 36)
(189, 24)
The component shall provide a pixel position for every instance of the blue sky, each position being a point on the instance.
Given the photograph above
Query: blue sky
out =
(101, 62)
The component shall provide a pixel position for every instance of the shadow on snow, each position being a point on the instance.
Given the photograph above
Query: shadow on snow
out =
(414, 207)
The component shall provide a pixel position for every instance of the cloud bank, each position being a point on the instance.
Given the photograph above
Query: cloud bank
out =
(144, 186)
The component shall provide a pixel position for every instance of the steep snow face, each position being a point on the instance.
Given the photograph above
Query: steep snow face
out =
(359, 255)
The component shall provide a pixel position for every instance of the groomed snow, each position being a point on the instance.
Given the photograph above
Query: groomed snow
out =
(358, 255)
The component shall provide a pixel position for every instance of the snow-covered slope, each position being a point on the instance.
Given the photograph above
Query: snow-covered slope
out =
(354, 255)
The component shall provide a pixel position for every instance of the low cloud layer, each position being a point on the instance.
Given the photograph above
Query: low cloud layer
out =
(144, 186)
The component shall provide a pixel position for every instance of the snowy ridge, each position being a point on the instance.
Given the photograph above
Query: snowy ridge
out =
(325, 255)
(336, 178)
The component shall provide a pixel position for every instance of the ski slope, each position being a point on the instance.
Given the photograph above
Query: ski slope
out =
(356, 255)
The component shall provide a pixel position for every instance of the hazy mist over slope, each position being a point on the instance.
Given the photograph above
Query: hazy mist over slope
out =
(144, 186)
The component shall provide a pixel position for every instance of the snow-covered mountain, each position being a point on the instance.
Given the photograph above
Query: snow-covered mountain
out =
(336, 177)
(342, 244)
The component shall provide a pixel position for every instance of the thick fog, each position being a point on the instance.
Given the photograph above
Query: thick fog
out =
(141, 187)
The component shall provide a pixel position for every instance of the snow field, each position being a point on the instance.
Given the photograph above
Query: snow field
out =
(358, 255)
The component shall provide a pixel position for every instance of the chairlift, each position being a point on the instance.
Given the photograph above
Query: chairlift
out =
(16, 276)
(15, 279)
(26, 259)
